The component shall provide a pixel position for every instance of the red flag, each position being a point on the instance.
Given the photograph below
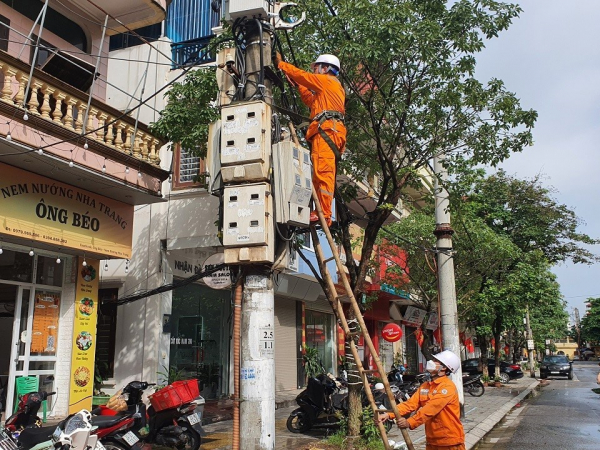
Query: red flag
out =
(437, 334)
(419, 336)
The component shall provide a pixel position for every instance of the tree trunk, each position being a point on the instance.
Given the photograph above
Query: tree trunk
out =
(483, 348)
(354, 388)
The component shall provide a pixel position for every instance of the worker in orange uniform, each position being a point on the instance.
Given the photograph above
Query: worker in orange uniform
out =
(437, 406)
(323, 93)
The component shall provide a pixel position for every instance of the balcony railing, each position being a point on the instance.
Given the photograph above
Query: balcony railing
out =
(62, 105)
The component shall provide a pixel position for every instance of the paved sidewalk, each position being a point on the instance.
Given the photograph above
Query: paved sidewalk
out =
(481, 415)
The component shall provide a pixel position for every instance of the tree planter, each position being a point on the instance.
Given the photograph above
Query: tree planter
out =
(497, 383)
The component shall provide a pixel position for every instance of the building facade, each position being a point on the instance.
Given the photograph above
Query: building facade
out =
(72, 169)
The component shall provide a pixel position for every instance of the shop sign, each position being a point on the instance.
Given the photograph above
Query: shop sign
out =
(220, 279)
(44, 210)
(432, 324)
(414, 316)
(188, 262)
(84, 336)
(392, 332)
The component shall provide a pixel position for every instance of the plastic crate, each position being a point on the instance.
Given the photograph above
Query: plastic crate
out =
(166, 398)
(187, 390)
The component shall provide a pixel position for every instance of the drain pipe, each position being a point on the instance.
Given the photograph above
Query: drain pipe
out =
(237, 319)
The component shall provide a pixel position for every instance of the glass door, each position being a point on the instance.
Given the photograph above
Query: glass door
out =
(35, 337)
(20, 349)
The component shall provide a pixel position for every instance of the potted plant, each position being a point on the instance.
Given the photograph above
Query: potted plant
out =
(485, 380)
(497, 382)
(312, 362)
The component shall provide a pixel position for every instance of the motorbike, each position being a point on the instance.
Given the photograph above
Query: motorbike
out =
(395, 374)
(473, 385)
(177, 427)
(73, 433)
(26, 414)
(323, 403)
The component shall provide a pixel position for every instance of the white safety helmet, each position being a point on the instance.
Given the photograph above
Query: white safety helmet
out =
(448, 359)
(330, 60)
(379, 387)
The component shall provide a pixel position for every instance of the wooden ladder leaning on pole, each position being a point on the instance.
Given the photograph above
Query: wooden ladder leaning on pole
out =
(336, 305)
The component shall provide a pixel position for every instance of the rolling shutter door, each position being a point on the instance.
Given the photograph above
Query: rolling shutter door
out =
(285, 345)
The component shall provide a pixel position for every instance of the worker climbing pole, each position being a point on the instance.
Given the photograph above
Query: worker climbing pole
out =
(265, 178)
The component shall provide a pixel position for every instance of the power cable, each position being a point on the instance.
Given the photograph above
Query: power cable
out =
(167, 287)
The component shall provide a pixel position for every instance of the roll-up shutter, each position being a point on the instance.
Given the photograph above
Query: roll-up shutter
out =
(321, 305)
(285, 345)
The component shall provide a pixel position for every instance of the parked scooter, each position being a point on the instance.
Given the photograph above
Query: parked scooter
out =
(396, 373)
(177, 427)
(73, 433)
(26, 414)
(323, 403)
(473, 385)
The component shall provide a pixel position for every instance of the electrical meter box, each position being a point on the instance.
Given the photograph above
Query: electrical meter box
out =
(248, 223)
(292, 173)
(213, 158)
(248, 8)
(245, 142)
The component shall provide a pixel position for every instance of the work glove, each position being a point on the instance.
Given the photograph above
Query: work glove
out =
(277, 59)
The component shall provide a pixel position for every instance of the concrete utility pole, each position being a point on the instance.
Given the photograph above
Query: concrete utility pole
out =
(446, 283)
(257, 393)
(530, 344)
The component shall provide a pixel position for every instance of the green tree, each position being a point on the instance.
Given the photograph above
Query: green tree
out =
(191, 105)
(590, 323)
(408, 66)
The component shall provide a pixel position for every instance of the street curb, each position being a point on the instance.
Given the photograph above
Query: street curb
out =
(475, 435)
(279, 404)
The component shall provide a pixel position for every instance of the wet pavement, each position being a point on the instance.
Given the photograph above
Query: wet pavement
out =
(481, 415)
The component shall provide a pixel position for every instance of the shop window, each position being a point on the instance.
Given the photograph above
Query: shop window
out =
(4, 33)
(320, 335)
(44, 329)
(106, 332)
(16, 266)
(49, 272)
(189, 170)
(199, 337)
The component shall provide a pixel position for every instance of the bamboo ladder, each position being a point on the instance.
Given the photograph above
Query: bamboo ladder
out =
(336, 304)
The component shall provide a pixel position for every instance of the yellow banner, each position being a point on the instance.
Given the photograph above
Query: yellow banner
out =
(45, 210)
(84, 336)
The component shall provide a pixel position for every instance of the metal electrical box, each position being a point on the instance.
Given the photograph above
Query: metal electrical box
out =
(245, 142)
(292, 173)
(248, 224)
(213, 158)
(248, 8)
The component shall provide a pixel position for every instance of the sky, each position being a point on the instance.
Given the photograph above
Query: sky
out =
(550, 57)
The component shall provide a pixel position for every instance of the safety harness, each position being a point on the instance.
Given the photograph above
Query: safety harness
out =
(321, 118)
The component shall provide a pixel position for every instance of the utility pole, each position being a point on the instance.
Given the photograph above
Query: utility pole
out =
(530, 344)
(446, 283)
(257, 393)
(577, 328)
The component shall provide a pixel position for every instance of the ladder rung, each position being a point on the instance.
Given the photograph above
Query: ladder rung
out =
(329, 259)
(369, 370)
(385, 410)
(343, 298)
(354, 333)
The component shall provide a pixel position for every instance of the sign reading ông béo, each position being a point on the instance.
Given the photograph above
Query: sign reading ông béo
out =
(41, 209)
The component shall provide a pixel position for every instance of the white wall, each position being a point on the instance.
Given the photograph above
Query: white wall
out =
(127, 68)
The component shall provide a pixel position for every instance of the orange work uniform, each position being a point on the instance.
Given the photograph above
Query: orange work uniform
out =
(437, 406)
(321, 93)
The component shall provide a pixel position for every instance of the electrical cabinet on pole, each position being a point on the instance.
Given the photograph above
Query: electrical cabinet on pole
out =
(446, 282)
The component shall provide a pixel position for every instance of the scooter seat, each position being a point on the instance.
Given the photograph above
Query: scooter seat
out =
(30, 437)
(108, 421)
